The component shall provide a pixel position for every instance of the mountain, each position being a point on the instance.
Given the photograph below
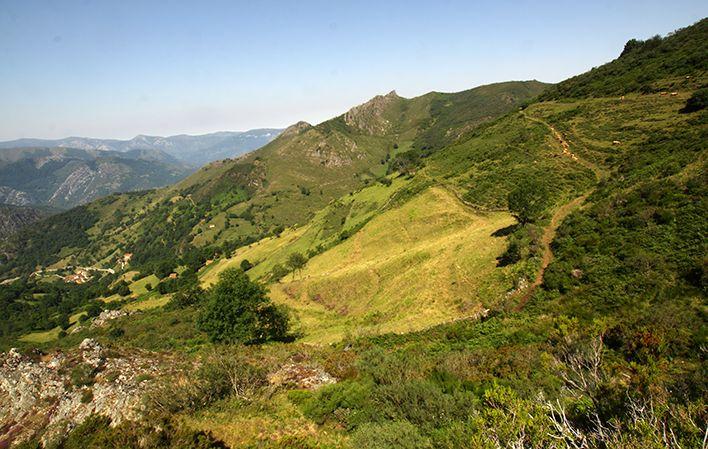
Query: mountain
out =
(65, 177)
(14, 218)
(285, 182)
(193, 150)
(518, 265)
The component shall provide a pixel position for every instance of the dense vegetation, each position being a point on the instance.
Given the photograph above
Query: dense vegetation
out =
(677, 61)
(604, 350)
(237, 311)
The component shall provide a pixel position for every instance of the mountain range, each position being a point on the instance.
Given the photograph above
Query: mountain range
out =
(192, 150)
(515, 265)
(65, 177)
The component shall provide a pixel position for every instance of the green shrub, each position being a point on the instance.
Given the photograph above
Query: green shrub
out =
(390, 435)
(698, 101)
(237, 310)
(82, 375)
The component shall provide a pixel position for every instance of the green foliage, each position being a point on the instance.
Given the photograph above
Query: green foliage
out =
(246, 264)
(82, 375)
(528, 201)
(296, 262)
(643, 66)
(278, 272)
(187, 296)
(41, 243)
(219, 375)
(237, 310)
(96, 432)
(698, 101)
(390, 435)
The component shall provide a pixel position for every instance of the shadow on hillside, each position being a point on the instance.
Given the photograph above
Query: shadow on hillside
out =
(503, 232)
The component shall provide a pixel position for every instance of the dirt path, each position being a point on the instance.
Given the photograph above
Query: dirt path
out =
(549, 234)
(550, 231)
(599, 172)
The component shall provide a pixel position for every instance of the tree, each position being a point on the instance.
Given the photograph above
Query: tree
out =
(698, 101)
(122, 288)
(278, 272)
(188, 296)
(528, 201)
(296, 262)
(237, 310)
(246, 265)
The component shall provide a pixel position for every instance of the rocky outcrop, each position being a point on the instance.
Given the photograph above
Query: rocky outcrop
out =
(295, 129)
(301, 375)
(13, 218)
(47, 395)
(108, 315)
(8, 195)
(369, 117)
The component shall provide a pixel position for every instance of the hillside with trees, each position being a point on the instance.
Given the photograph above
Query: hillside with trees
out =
(486, 269)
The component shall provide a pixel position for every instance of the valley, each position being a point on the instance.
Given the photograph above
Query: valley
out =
(516, 265)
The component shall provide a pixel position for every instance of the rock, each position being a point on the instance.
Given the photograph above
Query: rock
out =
(108, 315)
(576, 273)
(37, 398)
(301, 375)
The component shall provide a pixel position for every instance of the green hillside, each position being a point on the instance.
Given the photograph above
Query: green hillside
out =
(475, 270)
(229, 203)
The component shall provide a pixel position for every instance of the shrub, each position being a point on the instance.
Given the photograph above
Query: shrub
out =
(396, 434)
(238, 311)
(82, 375)
(187, 297)
(528, 201)
(296, 262)
(246, 264)
(698, 101)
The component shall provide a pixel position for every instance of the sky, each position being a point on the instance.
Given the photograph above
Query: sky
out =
(115, 69)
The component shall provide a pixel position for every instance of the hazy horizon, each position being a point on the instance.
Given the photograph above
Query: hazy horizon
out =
(114, 71)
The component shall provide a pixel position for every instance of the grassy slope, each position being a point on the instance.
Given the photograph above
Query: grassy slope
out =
(283, 184)
(518, 349)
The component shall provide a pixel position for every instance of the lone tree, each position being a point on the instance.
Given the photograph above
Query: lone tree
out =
(246, 265)
(296, 262)
(237, 310)
(528, 201)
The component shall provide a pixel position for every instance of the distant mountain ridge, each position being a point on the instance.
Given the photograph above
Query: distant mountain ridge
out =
(195, 150)
(66, 177)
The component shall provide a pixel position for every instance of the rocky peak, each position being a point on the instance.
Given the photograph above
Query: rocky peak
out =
(369, 117)
(295, 129)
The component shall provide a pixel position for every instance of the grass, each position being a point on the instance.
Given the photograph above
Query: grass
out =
(41, 337)
(150, 301)
(429, 261)
(261, 424)
(343, 214)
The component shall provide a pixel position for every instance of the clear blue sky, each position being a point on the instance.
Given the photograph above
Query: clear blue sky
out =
(117, 69)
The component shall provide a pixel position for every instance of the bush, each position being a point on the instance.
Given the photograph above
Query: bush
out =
(390, 435)
(697, 102)
(278, 272)
(528, 201)
(238, 311)
(187, 297)
(219, 376)
(82, 375)
(246, 264)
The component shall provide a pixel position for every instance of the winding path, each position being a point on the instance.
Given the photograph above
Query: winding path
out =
(563, 211)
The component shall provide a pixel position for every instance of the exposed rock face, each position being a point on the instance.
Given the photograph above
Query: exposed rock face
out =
(48, 395)
(295, 129)
(67, 177)
(13, 218)
(8, 195)
(369, 117)
(301, 375)
(108, 315)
